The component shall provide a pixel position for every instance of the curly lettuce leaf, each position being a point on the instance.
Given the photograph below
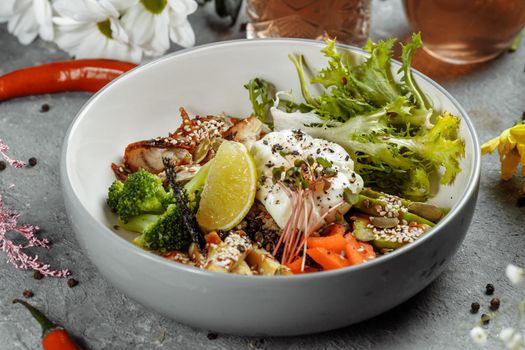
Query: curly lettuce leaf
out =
(419, 97)
(262, 94)
(398, 143)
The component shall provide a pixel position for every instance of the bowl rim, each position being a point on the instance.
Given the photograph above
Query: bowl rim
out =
(125, 244)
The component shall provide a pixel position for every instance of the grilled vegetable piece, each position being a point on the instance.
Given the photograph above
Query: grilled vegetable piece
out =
(142, 193)
(227, 255)
(265, 263)
(363, 230)
(375, 207)
(242, 268)
(424, 210)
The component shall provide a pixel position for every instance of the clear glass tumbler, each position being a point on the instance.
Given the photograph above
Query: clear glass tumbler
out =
(466, 31)
(346, 20)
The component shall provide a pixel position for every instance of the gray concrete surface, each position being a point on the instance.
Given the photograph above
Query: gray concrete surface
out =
(94, 311)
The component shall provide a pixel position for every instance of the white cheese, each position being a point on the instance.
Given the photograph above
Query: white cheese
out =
(298, 145)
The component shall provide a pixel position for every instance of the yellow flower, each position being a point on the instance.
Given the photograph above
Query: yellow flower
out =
(511, 149)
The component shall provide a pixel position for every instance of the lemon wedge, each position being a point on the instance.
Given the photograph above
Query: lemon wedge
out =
(230, 188)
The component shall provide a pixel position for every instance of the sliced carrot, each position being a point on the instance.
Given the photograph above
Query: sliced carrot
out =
(295, 266)
(328, 259)
(369, 250)
(354, 257)
(334, 229)
(358, 252)
(350, 239)
(335, 242)
(212, 238)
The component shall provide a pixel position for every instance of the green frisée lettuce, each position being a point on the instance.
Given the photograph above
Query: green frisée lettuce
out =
(397, 141)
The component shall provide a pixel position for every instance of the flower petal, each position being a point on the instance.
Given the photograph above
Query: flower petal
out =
(109, 8)
(183, 34)
(23, 23)
(490, 146)
(139, 24)
(521, 150)
(92, 45)
(117, 31)
(124, 52)
(44, 14)
(478, 335)
(161, 40)
(122, 5)
(515, 274)
(511, 338)
(518, 133)
(509, 164)
(183, 7)
(81, 10)
(70, 33)
(7, 9)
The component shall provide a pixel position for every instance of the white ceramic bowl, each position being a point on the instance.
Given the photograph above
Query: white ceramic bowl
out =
(208, 80)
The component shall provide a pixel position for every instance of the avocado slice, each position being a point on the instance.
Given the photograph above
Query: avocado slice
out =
(364, 233)
(361, 230)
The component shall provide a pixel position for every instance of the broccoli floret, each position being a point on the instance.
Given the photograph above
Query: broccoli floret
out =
(145, 207)
(142, 193)
(114, 194)
(163, 232)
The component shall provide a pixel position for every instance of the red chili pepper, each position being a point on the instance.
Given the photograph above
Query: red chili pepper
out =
(54, 337)
(75, 75)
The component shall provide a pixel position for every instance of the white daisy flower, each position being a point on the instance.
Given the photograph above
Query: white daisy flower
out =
(478, 335)
(26, 19)
(512, 339)
(91, 29)
(152, 23)
(515, 274)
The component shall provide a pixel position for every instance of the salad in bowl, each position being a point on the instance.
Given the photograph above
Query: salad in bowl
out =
(322, 181)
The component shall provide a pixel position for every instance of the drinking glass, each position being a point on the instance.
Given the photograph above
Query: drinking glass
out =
(346, 20)
(466, 31)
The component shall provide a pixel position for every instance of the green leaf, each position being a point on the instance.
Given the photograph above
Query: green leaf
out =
(410, 84)
(261, 94)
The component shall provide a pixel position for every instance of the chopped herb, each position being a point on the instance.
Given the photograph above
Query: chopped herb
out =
(325, 163)
(277, 172)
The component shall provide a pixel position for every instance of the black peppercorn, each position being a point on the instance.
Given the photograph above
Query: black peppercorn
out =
(3, 165)
(494, 304)
(212, 336)
(45, 108)
(32, 161)
(489, 289)
(38, 275)
(485, 318)
(28, 294)
(72, 282)
(474, 308)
